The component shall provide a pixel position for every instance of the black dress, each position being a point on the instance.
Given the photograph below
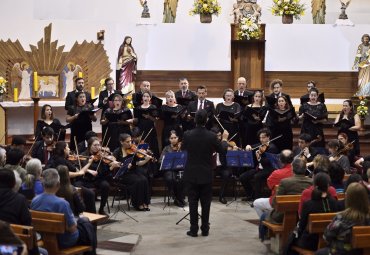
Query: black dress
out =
(170, 123)
(115, 128)
(314, 129)
(81, 125)
(55, 125)
(352, 135)
(280, 123)
(145, 125)
(137, 183)
(231, 126)
(253, 117)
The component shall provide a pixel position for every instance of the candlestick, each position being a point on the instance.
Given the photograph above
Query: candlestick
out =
(80, 75)
(92, 92)
(15, 95)
(35, 82)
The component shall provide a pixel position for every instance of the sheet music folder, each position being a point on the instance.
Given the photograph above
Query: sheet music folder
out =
(174, 161)
(239, 159)
(124, 168)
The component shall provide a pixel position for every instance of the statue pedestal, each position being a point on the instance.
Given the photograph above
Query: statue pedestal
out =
(344, 22)
(248, 58)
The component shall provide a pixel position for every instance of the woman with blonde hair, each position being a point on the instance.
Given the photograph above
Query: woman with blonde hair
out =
(171, 115)
(338, 233)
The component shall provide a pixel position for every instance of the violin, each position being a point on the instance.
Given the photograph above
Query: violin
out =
(140, 153)
(176, 147)
(74, 157)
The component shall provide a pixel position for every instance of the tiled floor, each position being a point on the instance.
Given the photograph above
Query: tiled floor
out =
(156, 232)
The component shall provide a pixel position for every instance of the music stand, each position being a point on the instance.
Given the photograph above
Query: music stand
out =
(121, 171)
(173, 161)
(238, 159)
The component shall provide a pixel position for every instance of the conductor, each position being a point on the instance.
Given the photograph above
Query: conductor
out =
(200, 145)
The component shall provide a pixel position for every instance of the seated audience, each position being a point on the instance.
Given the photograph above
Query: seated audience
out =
(13, 162)
(336, 173)
(32, 185)
(338, 233)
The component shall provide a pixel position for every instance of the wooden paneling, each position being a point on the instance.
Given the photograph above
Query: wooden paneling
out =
(161, 81)
(333, 84)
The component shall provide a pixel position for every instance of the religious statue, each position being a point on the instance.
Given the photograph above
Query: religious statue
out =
(243, 8)
(126, 66)
(362, 62)
(169, 11)
(145, 13)
(318, 11)
(343, 8)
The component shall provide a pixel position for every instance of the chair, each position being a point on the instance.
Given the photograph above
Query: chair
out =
(121, 190)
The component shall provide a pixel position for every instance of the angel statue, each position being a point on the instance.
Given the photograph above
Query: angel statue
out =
(145, 13)
(362, 62)
(21, 73)
(343, 8)
(70, 71)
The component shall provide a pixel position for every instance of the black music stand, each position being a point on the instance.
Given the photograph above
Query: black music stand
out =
(238, 159)
(173, 161)
(123, 169)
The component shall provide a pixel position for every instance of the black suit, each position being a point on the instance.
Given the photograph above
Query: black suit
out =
(200, 144)
(103, 94)
(70, 99)
(186, 125)
(208, 106)
(39, 151)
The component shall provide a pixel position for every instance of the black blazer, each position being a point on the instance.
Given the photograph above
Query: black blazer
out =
(38, 151)
(188, 94)
(208, 106)
(200, 144)
(70, 99)
(245, 93)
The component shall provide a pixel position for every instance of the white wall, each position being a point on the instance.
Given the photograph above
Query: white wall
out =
(187, 44)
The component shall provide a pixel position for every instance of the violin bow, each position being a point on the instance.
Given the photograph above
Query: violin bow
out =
(78, 156)
(232, 137)
(219, 123)
(105, 133)
(147, 134)
(273, 139)
(60, 130)
(28, 153)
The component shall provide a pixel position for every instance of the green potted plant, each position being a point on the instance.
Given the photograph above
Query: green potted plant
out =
(205, 9)
(288, 9)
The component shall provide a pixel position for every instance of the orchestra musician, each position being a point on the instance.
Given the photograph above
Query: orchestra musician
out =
(80, 116)
(61, 156)
(263, 168)
(98, 174)
(304, 148)
(171, 115)
(349, 122)
(231, 122)
(350, 147)
(338, 153)
(43, 149)
(48, 120)
(137, 183)
(173, 181)
(314, 114)
(201, 103)
(118, 120)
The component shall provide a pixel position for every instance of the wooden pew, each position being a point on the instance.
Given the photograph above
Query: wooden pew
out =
(25, 233)
(317, 223)
(288, 205)
(49, 225)
(95, 218)
(361, 238)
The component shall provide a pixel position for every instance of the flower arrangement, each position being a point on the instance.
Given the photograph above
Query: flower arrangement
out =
(288, 7)
(2, 85)
(249, 28)
(362, 109)
(205, 7)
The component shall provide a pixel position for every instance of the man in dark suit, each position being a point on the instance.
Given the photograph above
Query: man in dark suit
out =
(70, 99)
(42, 149)
(183, 97)
(200, 144)
(201, 103)
(104, 98)
(138, 96)
(306, 97)
(277, 87)
(242, 88)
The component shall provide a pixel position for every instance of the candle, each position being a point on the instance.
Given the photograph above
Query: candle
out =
(92, 92)
(35, 82)
(79, 74)
(15, 95)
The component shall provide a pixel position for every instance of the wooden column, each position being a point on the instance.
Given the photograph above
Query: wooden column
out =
(248, 59)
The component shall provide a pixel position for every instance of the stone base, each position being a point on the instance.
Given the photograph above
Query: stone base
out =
(344, 22)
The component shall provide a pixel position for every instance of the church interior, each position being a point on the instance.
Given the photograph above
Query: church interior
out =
(46, 46)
